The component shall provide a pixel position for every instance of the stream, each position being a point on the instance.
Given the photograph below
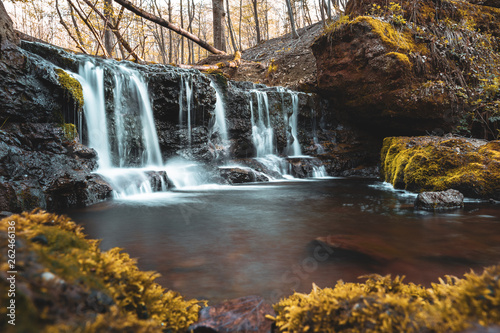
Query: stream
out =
(220, 242)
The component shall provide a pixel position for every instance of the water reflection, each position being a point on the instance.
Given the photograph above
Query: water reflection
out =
(224, 242)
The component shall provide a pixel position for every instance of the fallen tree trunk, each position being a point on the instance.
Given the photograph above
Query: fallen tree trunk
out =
(158, 20)
(235, 63)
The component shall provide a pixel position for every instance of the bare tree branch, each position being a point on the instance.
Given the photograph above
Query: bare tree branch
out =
(168, 25)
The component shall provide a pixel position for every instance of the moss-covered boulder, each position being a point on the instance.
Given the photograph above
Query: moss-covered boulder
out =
(64, 283)
(411, 67)
(383, 304)
(440, 163)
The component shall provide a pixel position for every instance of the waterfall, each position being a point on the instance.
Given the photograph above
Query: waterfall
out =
(262, 131)
(91, 78)
(293, 145)
(186, 91)
(220, 114)
(126, 137)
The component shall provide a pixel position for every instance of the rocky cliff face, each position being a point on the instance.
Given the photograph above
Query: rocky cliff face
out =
(41, 165)
(411, 68)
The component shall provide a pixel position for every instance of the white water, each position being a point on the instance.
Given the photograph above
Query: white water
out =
(91, 78)
(220, 114)
(133, 120)
(186, 91)
(131, 99)
(262, 131)
(293, 149)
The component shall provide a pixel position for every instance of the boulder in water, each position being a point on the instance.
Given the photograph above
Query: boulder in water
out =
(450, 199)
(237, 175)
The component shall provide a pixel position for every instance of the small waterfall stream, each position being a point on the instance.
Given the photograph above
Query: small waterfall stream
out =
(126, 139)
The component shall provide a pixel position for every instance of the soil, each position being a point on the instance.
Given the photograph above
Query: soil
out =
(280, 61)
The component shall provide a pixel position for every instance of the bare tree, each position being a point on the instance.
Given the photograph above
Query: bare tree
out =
(292, 20)
(168, 25)
(256, 18)
(218, 24)
(108, 34)
(230, 26)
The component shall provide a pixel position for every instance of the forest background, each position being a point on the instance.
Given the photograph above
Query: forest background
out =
(105, 28)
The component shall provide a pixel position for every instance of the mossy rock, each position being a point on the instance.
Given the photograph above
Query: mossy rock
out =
(71, 85)
(437, 164)
(408, 68)
(383, 304)
(65, 283)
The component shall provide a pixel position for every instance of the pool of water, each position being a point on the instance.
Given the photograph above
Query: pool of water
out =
(222, 242)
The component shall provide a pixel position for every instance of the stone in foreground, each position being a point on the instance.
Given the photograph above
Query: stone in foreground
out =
(245, 314)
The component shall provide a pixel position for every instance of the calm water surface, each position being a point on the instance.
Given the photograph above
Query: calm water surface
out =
(218, 243)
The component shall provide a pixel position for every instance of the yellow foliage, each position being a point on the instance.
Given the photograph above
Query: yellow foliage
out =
(403, 58)
(72, 85)
(389, 36)
(382, 304)
(420, 164)
(140, 302)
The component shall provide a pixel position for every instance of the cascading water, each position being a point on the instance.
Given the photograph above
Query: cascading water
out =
(186, 92)
(293, 149)
(91, 78)
(263, 134)
(220, 115)
(262, 131)
(127, 142)
(134, 140)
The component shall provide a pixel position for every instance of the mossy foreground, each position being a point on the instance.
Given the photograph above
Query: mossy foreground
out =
(437, 164)
(88, 290)
(64, 283)
(382, 304)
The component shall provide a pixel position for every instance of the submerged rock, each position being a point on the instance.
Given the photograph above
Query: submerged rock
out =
(245, 314)
(431, 163)
(442, 200)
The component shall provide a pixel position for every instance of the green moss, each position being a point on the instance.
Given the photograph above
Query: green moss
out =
(140, 303)
(434, 164)
(403, 58)
(382, 304)
(388, 34)
(72, 85)
(70, 132)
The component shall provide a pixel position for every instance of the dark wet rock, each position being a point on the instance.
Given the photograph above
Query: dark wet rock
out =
(237, 175)
(7, 33)
(40, 167)
(243, 315)
(159, 180)
(301, 167)
(362, 172)
(450, 199)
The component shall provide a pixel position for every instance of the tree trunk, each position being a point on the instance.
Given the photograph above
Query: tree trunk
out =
(256, 17)
(120, 38)
(218, 24)
(239, 28)
(292, 20)
(230, 26)
(108, 34)
(182, 39)
(168, 25)
(170, 44)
